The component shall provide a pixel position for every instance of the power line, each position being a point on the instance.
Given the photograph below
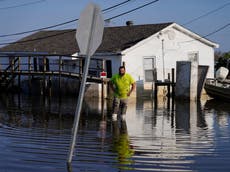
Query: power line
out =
(115, 6)
(211, 33)
(124, 13)
(45, 37)
(127, 12)
(22, 5)
(217, 30)
(60, 24)
(206, 14)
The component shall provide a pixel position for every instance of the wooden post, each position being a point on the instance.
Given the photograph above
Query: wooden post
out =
(12, 68)
(102, 84)
(44, 74)
(50, 86)
(173, 75)
(173, 82)
(35, 64)
(60, 70)
(80, 67)
(155, 97)
(187, 74)
(29, 65)
(19, 75)
(155, 90)
(29, 76)
(202, 73)
(168, 89)
(19, 64)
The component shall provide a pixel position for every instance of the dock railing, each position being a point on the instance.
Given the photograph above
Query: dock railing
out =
(31, 66)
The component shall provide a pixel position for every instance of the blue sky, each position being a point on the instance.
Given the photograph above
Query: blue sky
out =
(210, 15)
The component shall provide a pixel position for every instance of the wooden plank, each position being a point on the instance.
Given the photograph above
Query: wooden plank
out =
(53, 73)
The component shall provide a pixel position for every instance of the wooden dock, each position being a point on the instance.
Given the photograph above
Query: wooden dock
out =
(19, 73)
(168, 83)
(31, 65)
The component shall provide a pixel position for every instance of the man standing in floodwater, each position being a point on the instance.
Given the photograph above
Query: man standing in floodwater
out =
(122, 85)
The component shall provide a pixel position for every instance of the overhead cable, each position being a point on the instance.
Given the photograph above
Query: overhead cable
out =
(119, 15)
(22, 5)
(206, 14)
(60, 24)
(209, 34)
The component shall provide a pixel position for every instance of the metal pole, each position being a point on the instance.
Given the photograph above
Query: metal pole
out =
(163, 59)
(78, 109)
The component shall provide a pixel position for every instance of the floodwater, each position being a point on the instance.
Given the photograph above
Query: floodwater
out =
(35, 134)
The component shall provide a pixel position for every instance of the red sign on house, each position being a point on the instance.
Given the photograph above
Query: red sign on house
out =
(103, 74)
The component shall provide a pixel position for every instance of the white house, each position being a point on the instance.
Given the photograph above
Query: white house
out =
(159, 52)
(142, 48)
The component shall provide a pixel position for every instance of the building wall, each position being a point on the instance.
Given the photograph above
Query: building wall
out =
(173, 49)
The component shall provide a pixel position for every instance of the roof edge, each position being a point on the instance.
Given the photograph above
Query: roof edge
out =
(194, 35)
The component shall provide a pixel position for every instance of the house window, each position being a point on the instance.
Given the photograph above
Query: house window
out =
(149, 66)
(95, 67)
(193, 57)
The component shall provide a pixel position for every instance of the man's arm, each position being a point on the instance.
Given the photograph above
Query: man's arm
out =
(133, 86)
(111, 86)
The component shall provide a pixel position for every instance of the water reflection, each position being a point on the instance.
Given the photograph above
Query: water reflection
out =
(189, 116)
(25, 111)
(176, 139)
(220, 109)
(121, 143)
(165, 135)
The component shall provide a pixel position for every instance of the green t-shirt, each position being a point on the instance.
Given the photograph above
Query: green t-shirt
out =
(122, 84)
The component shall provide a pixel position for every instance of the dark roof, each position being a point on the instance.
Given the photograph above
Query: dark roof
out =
(115, 39)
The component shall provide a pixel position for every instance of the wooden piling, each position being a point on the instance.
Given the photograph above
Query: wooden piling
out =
(19, 76)
(173, 82)
(187, 78)
(166, 83)
(29, 75)
(60, 70)
(44, 75)
(102, 83)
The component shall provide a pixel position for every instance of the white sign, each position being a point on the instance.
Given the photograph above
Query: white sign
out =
(90, 30)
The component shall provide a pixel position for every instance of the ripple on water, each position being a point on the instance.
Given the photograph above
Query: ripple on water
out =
(149, 140)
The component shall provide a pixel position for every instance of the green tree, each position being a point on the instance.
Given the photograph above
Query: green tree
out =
(222, 59)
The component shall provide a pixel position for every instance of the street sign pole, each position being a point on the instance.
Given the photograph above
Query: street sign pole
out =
(78, 109)
(88, 40)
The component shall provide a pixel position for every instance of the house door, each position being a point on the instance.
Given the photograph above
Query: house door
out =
(108, 68)
(150, 69)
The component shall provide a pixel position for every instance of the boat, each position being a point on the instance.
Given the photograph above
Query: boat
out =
(218, 90)
(219, 87)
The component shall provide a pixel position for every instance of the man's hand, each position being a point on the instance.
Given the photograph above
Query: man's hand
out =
(132, 88)
(129, 93)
